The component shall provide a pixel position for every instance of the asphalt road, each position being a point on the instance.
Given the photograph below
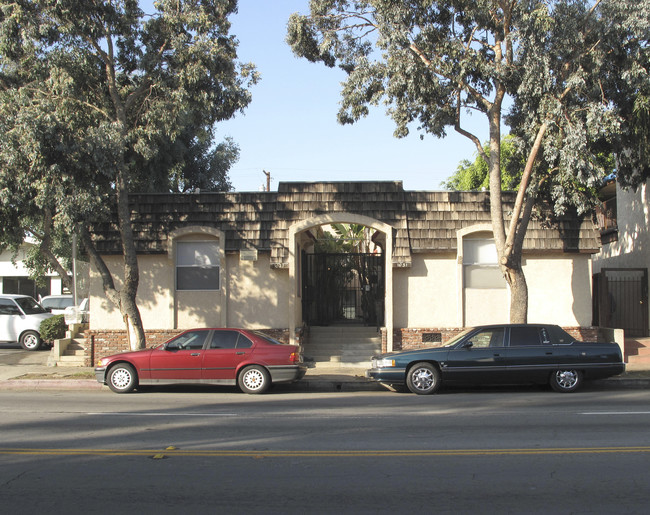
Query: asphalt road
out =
(206, 450)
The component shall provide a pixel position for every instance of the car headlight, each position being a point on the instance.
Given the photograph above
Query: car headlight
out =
(383, 363)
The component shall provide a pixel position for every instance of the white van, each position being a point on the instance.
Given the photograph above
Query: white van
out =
(20, 320)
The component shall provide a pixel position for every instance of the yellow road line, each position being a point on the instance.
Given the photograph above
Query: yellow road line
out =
(321, 454)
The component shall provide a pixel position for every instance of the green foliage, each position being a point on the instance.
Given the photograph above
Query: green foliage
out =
(53, 328)
(475, 175)
(99, 99)
(90, 90)
(343, 238)
(570, 69)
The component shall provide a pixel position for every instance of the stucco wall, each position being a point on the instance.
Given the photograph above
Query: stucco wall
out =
(155, 294)
(252, 295)
(632, 250)
(258, 295)
(428, 294)
(425, 294)
(559, 289)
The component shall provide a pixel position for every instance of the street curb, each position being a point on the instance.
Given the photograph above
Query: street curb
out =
(324, 384)
(50, 384)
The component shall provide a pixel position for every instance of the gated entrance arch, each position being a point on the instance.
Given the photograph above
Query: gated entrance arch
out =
(346, 287)
(382, 301)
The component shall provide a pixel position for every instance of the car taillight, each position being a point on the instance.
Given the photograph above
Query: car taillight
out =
(294, 357)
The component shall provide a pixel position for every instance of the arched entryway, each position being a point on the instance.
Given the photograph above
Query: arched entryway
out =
(300, 232)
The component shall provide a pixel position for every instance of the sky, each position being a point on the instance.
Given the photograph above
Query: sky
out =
(290, 128)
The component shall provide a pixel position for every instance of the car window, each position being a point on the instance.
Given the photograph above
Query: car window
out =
(57, 302)
(458, 337)
(30, 306)
(224, 340)
(189, 340)
(8, 307)
(243, 342)
(526, 336)
(267, 338)
(559, 335)
(492, 337)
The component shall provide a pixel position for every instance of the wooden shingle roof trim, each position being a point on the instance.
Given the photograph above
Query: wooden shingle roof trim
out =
(423, 221)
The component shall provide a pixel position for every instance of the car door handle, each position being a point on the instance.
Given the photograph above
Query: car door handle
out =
(240, 353)
(549, 353)
(195, 354)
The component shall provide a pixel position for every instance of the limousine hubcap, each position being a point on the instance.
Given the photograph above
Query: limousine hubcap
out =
(567, 378)
(423, 379)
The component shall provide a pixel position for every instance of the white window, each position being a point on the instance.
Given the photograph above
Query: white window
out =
(480, 264)
(197, 265)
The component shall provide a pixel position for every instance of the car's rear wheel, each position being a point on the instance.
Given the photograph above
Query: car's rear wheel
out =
(30, 340)
(254, 379)
(122, 378)
(566, 380)
(423, 378)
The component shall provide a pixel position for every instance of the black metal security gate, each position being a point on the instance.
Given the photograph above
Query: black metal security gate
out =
(621, 300)
(343, 288)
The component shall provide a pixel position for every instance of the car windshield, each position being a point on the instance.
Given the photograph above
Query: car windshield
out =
(458, 337)
(30, 306)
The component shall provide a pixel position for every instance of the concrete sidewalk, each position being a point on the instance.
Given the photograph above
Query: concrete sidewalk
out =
(28, 370)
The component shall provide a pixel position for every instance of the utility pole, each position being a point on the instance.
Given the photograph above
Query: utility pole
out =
(268, 180)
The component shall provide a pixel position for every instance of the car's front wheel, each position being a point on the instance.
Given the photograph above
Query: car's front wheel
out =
(423, 378)
(122, 378)
(30, 340)
(254, 379)
(566, 380)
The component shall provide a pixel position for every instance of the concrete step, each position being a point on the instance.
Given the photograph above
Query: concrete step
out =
(342, 346)
(330, 366)
(70, 361)
(637, 350)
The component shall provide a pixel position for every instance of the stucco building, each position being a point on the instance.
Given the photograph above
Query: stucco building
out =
(621, 266)
(246, 260)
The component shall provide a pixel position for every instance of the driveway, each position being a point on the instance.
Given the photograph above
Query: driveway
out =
(16, 361)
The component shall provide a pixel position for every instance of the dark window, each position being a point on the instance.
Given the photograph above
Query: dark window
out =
(8, 307)
(190, 340)
(29, 306)
(24, 286)
(243, 342)
(560, 336)
(492, 337)
(520, 336)
(224, 340)
(197, 265)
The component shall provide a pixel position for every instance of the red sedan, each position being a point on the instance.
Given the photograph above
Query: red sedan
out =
(249, 359)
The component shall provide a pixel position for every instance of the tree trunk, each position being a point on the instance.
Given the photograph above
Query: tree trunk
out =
(128, 306)
(518, 294)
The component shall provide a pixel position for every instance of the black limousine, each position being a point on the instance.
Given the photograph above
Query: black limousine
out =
(501, 354)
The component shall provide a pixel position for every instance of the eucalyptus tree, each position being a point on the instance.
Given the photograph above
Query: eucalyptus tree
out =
(561, 74)
(98, 99)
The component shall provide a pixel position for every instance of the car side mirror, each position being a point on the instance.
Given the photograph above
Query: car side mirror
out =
(467, 345)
